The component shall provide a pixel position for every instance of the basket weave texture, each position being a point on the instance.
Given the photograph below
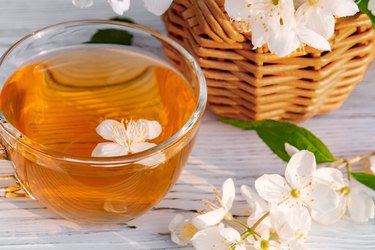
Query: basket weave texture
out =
(255, 84)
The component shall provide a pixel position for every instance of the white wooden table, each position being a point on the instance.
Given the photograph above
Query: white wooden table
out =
(220, 152)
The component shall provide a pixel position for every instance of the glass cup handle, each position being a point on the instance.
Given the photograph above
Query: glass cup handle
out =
(9, 185)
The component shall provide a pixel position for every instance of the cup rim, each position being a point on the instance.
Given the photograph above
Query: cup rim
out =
(120, 160)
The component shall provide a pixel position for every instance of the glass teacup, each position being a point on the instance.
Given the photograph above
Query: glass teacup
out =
(84, 187)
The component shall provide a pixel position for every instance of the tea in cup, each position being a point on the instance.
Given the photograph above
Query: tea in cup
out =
(99, 131)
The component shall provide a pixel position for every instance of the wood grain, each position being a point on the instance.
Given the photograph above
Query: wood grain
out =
(220, 152)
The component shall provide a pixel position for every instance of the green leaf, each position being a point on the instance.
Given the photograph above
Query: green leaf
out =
(366, 179)
(276, 133)
(363, 6)
(113, 36)
(122, 19)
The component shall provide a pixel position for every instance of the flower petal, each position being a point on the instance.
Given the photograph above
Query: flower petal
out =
(256, 204)
(340, 8)
(230, 234)
(360, 205)
(290, 149)
(330, 217)
(210, 218)
(317, 20)
(119, 6)
(313, 39)
(140, 147)
(157, 7)
(294, 245)
(207, 238)
(259, 35)
(331, 177)
(283, 42)
(153, 128)
(300, 169)
(106, 127)
(283, 39)
(272, 188)
(320, 198)
(109, 149)
(237, 9)
(181, 230)
(83, 3)
(371, 6)
(228, 194)
(176, 222)
(291, 223)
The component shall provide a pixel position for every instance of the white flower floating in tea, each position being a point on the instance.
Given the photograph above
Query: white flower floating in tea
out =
(157, 7)
(128, 137)
(281, 209)
(286, 25)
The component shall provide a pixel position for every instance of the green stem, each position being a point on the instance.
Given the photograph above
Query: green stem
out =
(254, 227)
(241, 223)
(349, 169)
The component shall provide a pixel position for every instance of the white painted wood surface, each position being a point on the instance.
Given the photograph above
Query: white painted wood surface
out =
(220, 152)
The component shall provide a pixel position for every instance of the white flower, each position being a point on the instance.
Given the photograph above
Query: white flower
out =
(371, 6)
(264, 17)
(182, 230)
(283, 228)
(294, 34)
(218, 238)
(215, 216)
(318, 15)
(359, 203)
(157, 7)
(274, 23)
(298, 187)
(128, 137)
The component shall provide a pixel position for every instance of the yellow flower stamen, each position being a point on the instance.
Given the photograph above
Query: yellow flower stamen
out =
(187, 231)
(312, 2)
(128, 132)
(345, 191)
(295, 193)
(275, 2)
(264, 244)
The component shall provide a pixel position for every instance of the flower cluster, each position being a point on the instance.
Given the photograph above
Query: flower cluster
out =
(157, 7)
(281, 209)
(286, 25)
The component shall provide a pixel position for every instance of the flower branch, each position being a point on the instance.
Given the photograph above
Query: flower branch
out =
(282, 208)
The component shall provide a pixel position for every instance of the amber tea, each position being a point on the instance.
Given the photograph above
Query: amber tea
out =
(58, 99)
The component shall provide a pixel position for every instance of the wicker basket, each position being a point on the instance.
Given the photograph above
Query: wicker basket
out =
(248, 84)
